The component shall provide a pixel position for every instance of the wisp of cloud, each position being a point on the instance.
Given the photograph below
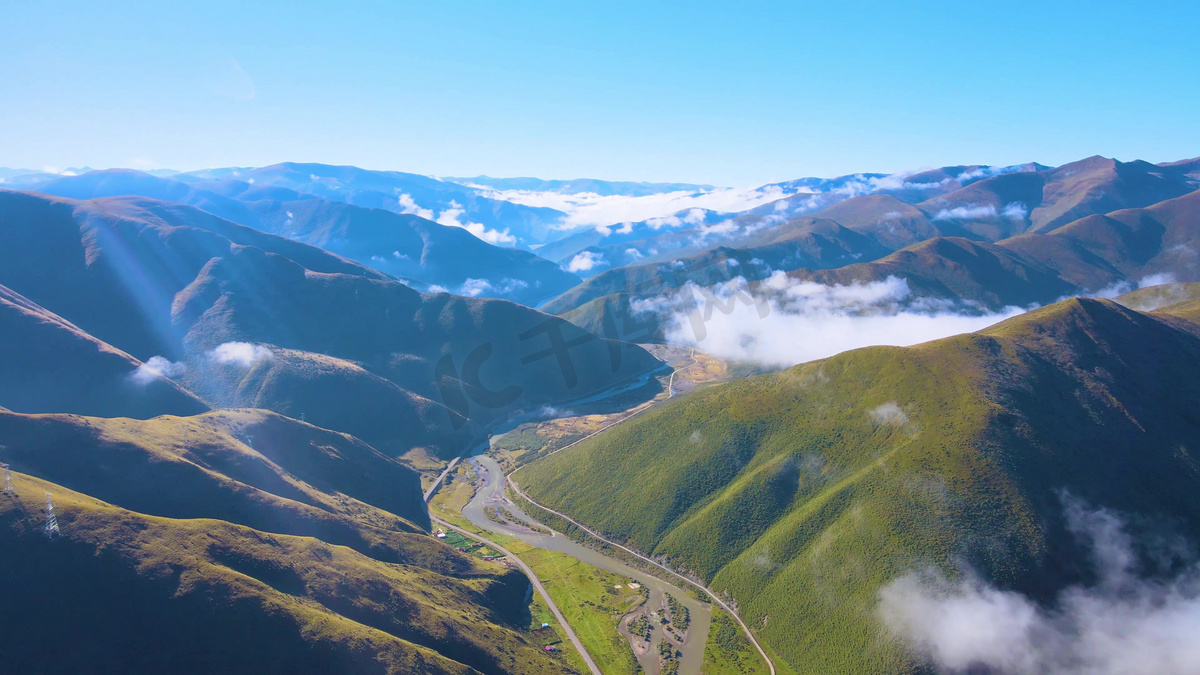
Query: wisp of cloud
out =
(1123, 624)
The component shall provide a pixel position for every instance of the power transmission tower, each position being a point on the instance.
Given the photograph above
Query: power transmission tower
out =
(250, 441)
(51, 528)
(8, 486)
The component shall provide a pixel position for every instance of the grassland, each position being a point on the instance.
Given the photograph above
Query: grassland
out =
(800, 493)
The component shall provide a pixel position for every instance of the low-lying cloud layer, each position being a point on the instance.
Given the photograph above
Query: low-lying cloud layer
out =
(782, 321)
(590, 209)
(1124, 624)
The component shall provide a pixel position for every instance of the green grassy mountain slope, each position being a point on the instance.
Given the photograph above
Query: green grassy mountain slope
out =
(156, 518)
(50, 365)
(1159, 297)
(136, 593)
(801, 493)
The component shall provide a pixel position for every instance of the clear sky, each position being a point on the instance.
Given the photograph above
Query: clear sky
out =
(721, 92)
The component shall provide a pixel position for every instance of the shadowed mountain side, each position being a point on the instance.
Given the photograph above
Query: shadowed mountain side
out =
(505, 355)
(50, 365)
(112, 266)
(150, 594)
(121, 270)
(802, 493)
(328, 392)
(408, 246)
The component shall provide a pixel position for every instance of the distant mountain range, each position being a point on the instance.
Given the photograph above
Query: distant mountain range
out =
(403, 245)
(1017, 238)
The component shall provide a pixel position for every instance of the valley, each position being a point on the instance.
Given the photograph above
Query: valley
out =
(757, 446)
(478, 494)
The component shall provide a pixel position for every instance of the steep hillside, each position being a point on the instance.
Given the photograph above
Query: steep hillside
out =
(50, 365)
(152, 594)
(801, 493)
(157, 279)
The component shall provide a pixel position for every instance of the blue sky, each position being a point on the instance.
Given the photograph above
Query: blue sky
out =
(725, 93)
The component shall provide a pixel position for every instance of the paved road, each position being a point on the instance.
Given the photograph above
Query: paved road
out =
(762, 652)
(437, 483)
(671, 383)
(537, 583)
(492, 493)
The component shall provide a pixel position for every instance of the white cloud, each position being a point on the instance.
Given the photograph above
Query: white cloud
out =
(782, 322)
(450, 217)
(633, 254)
(888, 413)
(585, 261)
(1160, 279)
(979, 173)
(969, 212)
(154, 368)
(476, 287)
(409, 206)
(1122, 625)
(1015, 211)
(243, 354)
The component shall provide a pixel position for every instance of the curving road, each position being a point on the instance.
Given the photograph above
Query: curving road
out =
(537, 583)
(745, 629)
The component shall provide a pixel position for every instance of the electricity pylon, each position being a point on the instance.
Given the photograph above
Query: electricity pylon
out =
(51, 528)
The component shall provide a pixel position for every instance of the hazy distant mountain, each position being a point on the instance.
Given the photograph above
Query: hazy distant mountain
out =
(407, 246)
(17, 178)
(1104, 254)
(497, 221)
(803, 494)
(260, 320)
(977, 202)
(793, 199)
(604, 188)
